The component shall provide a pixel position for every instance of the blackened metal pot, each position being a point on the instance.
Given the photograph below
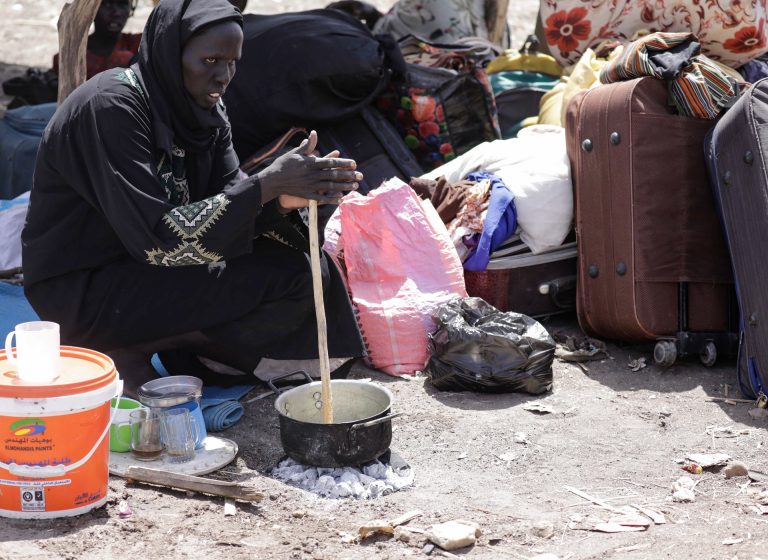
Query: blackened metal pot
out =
(361, 431)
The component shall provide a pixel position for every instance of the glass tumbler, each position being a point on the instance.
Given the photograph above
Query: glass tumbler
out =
(179, 435)
(146, 442)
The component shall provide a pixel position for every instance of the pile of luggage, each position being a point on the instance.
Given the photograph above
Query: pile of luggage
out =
(647, 260)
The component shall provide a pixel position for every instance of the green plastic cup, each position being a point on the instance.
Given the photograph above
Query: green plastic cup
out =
(120, 429)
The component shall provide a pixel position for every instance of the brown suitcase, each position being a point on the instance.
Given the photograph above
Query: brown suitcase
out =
(652, 263)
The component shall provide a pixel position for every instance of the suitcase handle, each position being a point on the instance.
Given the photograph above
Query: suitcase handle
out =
(561, 291)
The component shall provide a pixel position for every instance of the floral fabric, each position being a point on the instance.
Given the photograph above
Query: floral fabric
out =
(732, 32)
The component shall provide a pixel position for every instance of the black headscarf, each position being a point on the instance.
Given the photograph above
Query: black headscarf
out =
(175, 114)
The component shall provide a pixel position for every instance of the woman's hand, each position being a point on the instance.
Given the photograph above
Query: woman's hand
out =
(297, 176)
(289, 202)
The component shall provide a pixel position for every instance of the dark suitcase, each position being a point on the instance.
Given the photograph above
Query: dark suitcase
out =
(653, 264)
(535, 285)
(737, 158)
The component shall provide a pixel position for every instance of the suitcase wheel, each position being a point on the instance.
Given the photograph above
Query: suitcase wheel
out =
(665, 353)
(708, 354)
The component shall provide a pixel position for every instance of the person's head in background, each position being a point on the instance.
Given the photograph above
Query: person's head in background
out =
(112, 16)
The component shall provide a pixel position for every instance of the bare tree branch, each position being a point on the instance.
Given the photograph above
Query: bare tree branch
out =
(74, 22)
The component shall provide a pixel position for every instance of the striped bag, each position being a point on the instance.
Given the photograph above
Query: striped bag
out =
(698, 87)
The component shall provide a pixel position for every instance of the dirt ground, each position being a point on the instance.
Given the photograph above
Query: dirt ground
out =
(613, 433)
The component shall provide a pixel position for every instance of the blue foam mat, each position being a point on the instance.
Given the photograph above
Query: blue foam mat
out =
(14, 308)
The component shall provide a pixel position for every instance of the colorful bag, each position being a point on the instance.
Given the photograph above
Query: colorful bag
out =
(401, 267)
(446, 106)
(527, 59)
(519, 80)
(732, 35)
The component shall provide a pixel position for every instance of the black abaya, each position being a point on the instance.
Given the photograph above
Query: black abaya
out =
(136, 233)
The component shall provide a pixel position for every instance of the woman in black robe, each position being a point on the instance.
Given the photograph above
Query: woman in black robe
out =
(142, 237)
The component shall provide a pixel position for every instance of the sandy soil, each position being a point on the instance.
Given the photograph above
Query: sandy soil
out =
(613, 433)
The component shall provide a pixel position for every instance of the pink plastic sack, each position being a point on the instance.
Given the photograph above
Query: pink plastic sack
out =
(730, 32)
(401, 266)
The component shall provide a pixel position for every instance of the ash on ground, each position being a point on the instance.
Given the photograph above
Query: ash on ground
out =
(370, 481)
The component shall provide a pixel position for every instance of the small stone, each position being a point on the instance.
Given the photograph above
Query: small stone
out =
(229, 508)
(762, 498)
(684, 495)
(519, 437)
(342, 490)
(298, 514)
(543, 529)
(758, 413)
(402, 535)
(349, 478)
(684, 482)
(682, 490)
(735, 469)
(454, 534)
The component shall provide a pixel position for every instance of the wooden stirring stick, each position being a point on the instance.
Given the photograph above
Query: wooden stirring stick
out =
(322, 330)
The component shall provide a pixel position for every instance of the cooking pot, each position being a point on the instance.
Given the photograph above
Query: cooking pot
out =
(361, 430)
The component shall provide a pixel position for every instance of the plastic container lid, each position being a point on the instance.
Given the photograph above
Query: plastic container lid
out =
(82, 371)
(170, 391)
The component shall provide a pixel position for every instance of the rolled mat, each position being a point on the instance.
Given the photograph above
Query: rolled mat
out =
(220, 415)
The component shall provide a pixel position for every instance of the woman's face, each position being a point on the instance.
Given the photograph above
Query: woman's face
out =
(208, 62)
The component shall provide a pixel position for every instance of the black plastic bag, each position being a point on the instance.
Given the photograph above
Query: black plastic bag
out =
(33, 88)
(476, 347)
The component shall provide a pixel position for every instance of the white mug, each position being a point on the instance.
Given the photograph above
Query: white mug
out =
(38, 351)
